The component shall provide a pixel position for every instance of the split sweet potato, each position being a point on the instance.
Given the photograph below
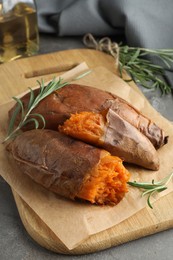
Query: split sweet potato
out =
(115, 135)
(73, 98)
(69, 167)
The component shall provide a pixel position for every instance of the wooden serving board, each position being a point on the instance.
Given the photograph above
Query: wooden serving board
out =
(15, 78)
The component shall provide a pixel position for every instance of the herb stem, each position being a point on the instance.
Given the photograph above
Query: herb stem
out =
(153, 187)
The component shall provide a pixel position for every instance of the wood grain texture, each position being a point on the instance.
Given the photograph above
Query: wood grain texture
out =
(144, 223)
(15, 78)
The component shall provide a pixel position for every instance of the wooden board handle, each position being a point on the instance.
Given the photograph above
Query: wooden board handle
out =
(50, 70)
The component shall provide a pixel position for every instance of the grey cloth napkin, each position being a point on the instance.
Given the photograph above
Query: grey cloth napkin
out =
(144, 23)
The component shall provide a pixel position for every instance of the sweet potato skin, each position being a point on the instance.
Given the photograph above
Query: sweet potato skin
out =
(57, 162)
(125, 141)
(73, 98)
(155, 134)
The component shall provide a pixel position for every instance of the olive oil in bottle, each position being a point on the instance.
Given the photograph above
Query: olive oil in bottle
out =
(18, 32)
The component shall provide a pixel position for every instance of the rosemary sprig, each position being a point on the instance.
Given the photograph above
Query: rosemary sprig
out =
(135, 61)
(33, 102)
(142, 70)
(26, 113)
(153, 187)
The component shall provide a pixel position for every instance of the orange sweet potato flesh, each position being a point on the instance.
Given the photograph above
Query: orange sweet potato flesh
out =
(115, 135)
(73, 98)
(106, 183)
(70, 168)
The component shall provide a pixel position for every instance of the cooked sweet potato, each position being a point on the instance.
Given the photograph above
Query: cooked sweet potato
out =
(155, 134)
(70, 168)
(114, 134)
(58, 107)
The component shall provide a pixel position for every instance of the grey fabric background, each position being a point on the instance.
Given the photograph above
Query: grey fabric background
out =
(147, 23)
(142, 23)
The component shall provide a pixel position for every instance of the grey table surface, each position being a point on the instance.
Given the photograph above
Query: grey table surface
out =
(16, 244)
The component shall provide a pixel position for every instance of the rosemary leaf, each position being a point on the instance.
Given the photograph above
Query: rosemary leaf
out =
(148, 186)
(134, 57)
(41, 83)
(31, 98)
(41, 117)
(21, 106)
(35, 121)
(153, 190)
(13, 118)
(148, 200)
